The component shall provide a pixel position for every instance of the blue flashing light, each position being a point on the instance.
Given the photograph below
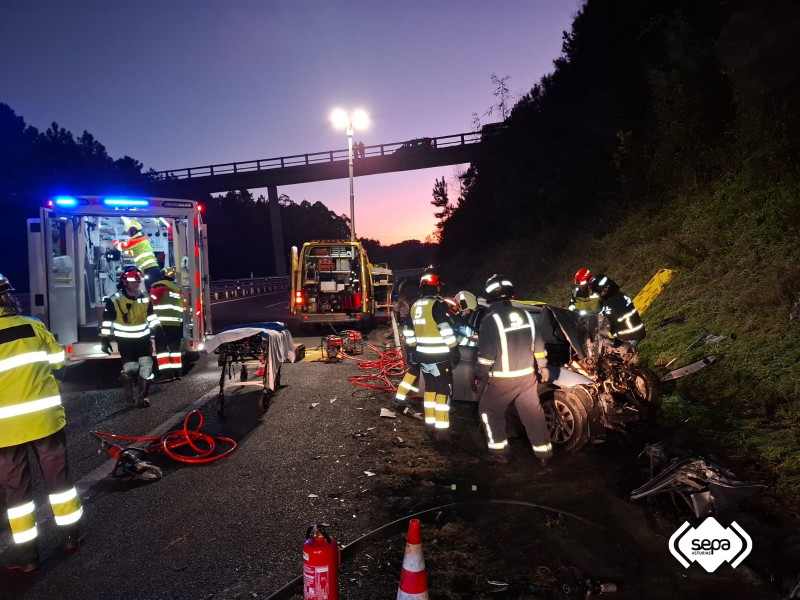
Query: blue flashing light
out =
(65, 201)
(126, 202)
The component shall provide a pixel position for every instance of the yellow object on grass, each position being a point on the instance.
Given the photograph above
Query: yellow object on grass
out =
(654, 287)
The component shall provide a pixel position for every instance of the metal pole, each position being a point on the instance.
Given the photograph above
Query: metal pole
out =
(352, 204)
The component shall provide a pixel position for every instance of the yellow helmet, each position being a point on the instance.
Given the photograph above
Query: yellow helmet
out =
(169, 272)
(128, 223)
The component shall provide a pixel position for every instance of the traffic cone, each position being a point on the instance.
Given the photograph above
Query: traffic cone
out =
(413, 579)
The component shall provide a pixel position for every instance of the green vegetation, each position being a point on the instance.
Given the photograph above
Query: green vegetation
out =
(666, 137)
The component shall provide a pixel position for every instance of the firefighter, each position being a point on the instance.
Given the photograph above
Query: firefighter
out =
(466, 303)
(583, 300)
(31, 415)
(138, 246)
(512, 356)
(129, 318)
(434, 345)
(169, 304)
(408, 386)
(624, 321)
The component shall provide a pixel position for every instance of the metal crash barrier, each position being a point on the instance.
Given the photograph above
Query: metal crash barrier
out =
(225, 289)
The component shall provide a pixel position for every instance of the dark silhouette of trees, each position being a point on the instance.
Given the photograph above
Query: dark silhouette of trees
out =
(34, 165)
(647, 98)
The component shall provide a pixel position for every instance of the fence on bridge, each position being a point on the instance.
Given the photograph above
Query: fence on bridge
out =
(315, 158)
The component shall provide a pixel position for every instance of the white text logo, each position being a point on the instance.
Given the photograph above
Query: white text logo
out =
(710, 544)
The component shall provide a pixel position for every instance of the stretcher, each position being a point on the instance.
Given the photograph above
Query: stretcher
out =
(260, 348)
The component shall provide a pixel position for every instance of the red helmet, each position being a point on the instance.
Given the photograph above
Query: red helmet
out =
(583, 276)
(131, 274)
(430, 276)
(452, 305)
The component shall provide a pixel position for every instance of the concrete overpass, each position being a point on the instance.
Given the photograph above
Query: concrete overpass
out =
(421, 153)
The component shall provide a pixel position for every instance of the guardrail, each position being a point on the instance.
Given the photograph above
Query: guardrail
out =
(239, 288)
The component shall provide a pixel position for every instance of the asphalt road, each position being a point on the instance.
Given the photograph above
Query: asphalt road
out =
(234, 528)
(201, 529)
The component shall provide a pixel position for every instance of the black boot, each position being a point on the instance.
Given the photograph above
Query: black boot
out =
(72, 539)
(24, 557)
(144, 388)
(127, 387)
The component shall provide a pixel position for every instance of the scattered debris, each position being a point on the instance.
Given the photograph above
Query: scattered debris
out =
(675, 319)
(332, 400)
(314, 404)
(385, 412)
(706, 488)
(313, 496)
(690, 368)
(359, 434)
(181, 568)
(795, 314)
(369, 474)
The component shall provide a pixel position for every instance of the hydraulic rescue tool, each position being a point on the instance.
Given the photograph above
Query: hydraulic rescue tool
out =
(130, 461)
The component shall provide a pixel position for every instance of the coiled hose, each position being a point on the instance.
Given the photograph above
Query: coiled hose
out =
(202, 444)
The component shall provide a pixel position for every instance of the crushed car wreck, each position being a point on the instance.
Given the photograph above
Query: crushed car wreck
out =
(596, 385)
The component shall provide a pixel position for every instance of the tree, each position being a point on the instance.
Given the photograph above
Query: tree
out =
(441, 201)
(502, 96)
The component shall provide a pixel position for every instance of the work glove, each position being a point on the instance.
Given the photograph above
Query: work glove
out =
(411, 356)
(476, 383)
(455, 356)
(544, 374)
(105, 346)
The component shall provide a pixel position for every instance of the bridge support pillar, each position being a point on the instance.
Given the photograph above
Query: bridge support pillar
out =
(277, 231)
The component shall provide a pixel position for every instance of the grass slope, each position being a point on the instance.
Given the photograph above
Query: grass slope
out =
(736, 252)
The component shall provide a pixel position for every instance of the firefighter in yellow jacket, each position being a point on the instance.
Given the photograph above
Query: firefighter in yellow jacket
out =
(138, 246)
(31, 414)
(129, 319)
(511, 353)
(434, 346)
(168, 302)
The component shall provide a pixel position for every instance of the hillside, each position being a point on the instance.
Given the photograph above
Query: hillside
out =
(674, 147)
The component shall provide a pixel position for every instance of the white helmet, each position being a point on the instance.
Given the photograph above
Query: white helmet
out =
(466, 301)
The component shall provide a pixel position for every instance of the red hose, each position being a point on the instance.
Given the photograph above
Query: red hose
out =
(390, 363)
(178, 438)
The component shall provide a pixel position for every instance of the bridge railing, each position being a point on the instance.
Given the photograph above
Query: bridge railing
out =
(378, 150)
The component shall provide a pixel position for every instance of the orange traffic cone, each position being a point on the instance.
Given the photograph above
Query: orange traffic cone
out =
(413, 579)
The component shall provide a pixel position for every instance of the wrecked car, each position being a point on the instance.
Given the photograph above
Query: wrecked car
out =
(597, 385)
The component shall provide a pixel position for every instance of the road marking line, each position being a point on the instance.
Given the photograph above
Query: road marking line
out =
(86, 483)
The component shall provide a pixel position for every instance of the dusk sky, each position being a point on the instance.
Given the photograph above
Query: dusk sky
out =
(185, 83)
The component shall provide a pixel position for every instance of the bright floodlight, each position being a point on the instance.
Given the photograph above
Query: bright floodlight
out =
(360, 119)
(340, 119)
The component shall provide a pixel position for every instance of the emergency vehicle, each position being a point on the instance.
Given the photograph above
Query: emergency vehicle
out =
(332, 282)
(74, 265)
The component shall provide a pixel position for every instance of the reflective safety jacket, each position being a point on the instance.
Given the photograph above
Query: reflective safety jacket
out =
(30, 403)
(585, 302)
(139, 247)
(128, 319)
(168, 302)
(509, 345)
(432, 335)
(624, 320)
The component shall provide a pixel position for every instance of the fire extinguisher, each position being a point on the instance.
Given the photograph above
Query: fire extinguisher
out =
(321, 558)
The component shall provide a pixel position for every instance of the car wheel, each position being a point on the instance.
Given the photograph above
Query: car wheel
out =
(566, 420)
(647, 387)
